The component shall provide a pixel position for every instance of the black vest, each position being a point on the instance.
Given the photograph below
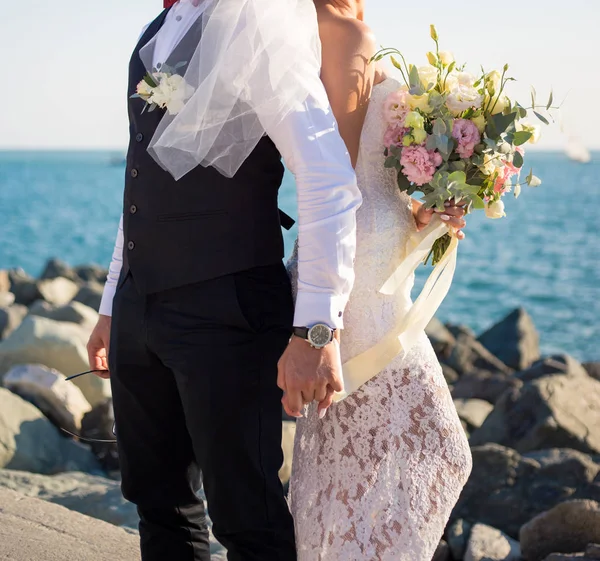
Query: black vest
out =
(204, 225)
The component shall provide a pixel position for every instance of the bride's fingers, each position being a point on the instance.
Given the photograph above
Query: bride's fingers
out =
(293, 398)
(453, 221)
(307, 397)
(321, 393)
(326, 403)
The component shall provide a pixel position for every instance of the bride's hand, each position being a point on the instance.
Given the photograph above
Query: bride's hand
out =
(452, 215)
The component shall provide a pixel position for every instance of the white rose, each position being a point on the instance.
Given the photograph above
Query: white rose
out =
(428, 75)
(491, 162)
(465, 79)
(497, 105)
(419, 102)
(495, 210)
(462, 98)
(144, 89)
(493, 81)
(446, 57)
(181, 91)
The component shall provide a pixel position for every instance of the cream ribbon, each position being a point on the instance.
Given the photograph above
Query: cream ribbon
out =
(360, 369)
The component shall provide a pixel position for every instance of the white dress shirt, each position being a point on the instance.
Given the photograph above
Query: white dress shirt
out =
(328, 196)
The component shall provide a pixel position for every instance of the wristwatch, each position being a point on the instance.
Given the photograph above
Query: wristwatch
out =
(318, 336)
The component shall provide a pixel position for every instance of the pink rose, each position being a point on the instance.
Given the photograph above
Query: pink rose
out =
(394, 134)
(396, 107)
(419, 164)
(467, 135)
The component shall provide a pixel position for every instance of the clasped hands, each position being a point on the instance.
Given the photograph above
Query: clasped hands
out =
(306, 374)
(452, 215)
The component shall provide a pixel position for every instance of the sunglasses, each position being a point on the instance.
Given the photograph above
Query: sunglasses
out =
(78, 436)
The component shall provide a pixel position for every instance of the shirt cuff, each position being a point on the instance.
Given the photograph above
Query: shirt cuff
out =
(316, 307)
(106, 304)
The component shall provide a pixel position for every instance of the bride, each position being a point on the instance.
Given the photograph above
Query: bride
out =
(376, 478)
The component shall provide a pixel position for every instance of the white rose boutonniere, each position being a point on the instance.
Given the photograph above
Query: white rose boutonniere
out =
(164, 89)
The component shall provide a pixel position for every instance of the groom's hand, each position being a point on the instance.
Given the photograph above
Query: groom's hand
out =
(307, 374)
(97, 346)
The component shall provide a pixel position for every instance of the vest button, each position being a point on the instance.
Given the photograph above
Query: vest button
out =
(134, 172)
(133, 209)
(139, 137)
(130, 245)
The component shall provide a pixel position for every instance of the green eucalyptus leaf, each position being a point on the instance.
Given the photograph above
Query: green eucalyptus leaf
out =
(541, 118)
(550, 99)
(414, 78)
(439, 127)
(477, 202)
(430, 143)
(390, 162)
(518, 160)
(521, 137)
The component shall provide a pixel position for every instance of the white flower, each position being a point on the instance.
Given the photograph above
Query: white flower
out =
(493, 81)
(428, 75)
(446, 57)
(535, 181)
(491, 162)
(495, 210)
(144, 90)
(171, 93)
(462, 98)
(497, 105)
(456, 79)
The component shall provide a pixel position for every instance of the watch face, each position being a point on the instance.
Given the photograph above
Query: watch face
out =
(319, 335)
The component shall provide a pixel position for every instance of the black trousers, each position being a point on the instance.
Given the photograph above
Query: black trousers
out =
(193, 374)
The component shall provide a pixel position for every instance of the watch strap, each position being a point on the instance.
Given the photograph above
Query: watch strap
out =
(301, 332)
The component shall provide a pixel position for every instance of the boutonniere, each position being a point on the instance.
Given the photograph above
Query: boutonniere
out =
(165, 89)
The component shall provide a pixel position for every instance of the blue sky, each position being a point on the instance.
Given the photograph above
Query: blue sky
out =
(66, 62)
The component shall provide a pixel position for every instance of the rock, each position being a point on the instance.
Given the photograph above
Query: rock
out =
(489, 544)
(98, 424)
(56, 268)
(6, 299)
(61, 401)
(24, 287)
(514, 340)
(90, 294)
(4, 281)
(468, 355)
(458, 537)
(441, 339)
(567, 557)
(289, 433)
(484, 385)
(450, 375)
(551, 412)
(91, 273)
(593, 369)
(557, 364)
(92, 495)
(74, 312)
(58, 345)
(458, 330)
(593, 551)
(29, 441)
(442, 553)
(473, 411)
(58, 291)
(10, 318)
(566, 528)
(36, 530)
(506, 490)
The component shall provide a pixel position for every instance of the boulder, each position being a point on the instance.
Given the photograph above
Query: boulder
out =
(469, 355)
(514, 340)
(458, 537)
(593, 369)
(489, 544)
(4, 281)
(442, 553)
(58, 345)
(481, 384)
(472, 412)
(98, 424)
(74, 312)
(36, 530)
(6, 299)
(593, 551)
(289, 433)
(92, 495)
(564, 365)
(441, 339)
(457, 330)
(506, 489)
(24, 287)
(450, 375)
(566, 528)
(551, 412)
(58, 291)
(29, 441)
(90, 294)
(55, 268)
(10, 318)
(91, 273)
(568, 557)
(61, 401)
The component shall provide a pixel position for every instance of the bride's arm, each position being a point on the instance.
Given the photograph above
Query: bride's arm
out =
(348, 46)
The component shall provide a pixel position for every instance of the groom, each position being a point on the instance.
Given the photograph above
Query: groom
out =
(202, 311)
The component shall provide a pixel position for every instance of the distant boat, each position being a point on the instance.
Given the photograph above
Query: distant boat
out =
(577, 151)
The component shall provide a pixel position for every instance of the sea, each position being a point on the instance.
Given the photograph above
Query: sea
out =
(544, 256)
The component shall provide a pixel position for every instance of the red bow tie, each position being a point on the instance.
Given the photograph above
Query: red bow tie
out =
(169, 3)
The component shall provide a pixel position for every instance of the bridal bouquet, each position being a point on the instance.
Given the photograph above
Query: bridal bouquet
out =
(455, 135)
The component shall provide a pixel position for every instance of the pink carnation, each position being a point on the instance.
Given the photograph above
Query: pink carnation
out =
(508, 171)
(419, 164)
(394, 134)
(396, 107)
(467, 136)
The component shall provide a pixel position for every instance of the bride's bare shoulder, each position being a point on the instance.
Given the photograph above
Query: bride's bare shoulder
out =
(346, 37)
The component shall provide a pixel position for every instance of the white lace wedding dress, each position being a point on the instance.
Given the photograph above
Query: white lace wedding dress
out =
(377, 478)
